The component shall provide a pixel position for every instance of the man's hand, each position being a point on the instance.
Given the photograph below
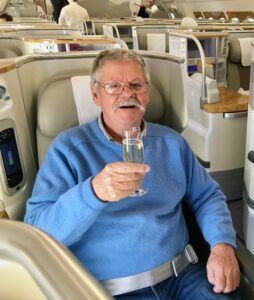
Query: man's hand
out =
(118, 180)
(222, 269)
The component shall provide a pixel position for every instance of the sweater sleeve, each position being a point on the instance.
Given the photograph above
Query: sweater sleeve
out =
(60, 205)
(208, 203)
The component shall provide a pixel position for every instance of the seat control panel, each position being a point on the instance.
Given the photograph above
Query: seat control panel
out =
(10, 158)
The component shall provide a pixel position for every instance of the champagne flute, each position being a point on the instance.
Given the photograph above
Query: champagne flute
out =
(133, 151)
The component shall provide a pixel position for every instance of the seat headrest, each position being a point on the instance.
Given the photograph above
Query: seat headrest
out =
(155, 108)
(188, 21)
(240, 50)
(235, 54)
(87, 110)
(7, 53)
(56, 109)
(156, 42)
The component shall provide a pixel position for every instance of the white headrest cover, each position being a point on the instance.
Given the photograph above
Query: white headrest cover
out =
(86, 108)
(156, 42)
(246, 49)
(188, 21)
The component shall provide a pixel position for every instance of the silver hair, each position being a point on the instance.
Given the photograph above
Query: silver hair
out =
(118, 54)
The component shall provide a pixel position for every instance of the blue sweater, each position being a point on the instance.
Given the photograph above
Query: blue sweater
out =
(135, 234)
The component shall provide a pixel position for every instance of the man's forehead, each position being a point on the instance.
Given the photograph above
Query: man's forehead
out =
(121, 61)
(124, 66)
(122, 71)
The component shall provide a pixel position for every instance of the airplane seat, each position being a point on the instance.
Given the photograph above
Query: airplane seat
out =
(142, 41)
(7, 53)
(50, 100)
(89, 27)
(238, 63)
(151, 38)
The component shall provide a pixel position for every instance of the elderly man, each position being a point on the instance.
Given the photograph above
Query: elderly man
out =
(136, 246)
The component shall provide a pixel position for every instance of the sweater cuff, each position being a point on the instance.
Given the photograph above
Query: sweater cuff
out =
(89, 195)
(224, 241)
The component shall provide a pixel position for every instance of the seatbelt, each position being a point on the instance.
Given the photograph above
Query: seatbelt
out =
(175, 266)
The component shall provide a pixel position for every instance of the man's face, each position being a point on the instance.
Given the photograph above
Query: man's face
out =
(123, 117)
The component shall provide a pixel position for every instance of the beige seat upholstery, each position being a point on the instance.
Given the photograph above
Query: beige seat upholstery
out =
(11, 47)
(238, 75)
(7, 53)
(148, 38)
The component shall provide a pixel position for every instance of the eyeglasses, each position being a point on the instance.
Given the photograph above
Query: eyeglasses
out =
(118, 87)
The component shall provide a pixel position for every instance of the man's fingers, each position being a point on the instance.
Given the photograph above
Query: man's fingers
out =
(124, 185)
(229, 285)
(124, 177)
(125, 167)
(220, 283)
(210, 276)
(233, 280)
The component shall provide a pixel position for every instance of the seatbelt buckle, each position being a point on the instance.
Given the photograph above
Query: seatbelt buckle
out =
(191, 254)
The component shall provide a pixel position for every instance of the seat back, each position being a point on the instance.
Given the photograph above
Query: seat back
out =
(89, 28)
(238, 63)
(151, 37)
(11, 47)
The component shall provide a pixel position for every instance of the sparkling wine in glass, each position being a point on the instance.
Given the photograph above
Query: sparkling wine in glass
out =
(133, 151)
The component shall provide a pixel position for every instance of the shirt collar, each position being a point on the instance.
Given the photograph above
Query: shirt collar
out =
(106, 134)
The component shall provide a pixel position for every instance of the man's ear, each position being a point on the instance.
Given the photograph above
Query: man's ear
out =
(95, 95)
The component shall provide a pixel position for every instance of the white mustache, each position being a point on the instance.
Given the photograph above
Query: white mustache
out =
(128, 102)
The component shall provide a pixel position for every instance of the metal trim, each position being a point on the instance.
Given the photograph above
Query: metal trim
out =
(235, 115)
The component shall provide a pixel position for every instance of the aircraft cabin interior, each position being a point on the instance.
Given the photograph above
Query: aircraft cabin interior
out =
(200, 56)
